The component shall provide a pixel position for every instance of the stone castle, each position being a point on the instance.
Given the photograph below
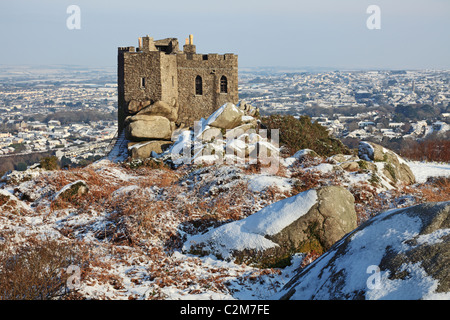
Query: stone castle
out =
(185, 84)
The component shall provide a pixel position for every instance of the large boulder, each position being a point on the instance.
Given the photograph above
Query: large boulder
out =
(145, 127)
(163, 109)
(143, 150)
(228, 116)
(135, 106)
(326, 222)
(399, 254)
(310, 221)
(394, 168)
(74, 189)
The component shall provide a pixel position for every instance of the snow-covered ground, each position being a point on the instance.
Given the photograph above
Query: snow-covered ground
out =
(424, 170)
(132, 218)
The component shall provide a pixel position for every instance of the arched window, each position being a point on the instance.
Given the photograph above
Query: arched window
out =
(223, 85)
(198, 86)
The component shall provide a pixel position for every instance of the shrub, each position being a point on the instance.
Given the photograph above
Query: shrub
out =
(49, 163)
(296, 134)
(36, 272)
(21, 166)
(431, 149)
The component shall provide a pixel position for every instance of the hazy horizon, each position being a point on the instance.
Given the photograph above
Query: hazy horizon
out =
(265, 34)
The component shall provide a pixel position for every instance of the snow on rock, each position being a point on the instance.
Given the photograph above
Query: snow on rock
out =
(183, 142)
(227, 116)
(249, 233)
(7, 198)
(299, 155)
(398, 254)
(208, 143)
(15, 176)
(77, 187)
(323, 167)
(394, 168)
(366, 151)
(303, 152)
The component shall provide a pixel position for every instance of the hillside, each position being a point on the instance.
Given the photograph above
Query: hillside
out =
(123, 229)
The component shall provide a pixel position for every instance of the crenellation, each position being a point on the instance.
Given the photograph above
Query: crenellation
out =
(127, 49)
(213, 56)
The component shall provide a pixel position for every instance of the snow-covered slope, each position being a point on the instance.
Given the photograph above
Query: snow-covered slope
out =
(130, 226)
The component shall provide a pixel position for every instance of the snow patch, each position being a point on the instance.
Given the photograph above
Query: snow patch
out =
(424, 170)
(259, 183)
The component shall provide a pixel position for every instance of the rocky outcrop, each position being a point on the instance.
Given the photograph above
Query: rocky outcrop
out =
(398, 254)
(152, 122)
(229, 134)
(310, 221)
(394, 167)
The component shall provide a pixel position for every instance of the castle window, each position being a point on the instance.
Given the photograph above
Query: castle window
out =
(223, 85)
(198, 86)
(142, 83)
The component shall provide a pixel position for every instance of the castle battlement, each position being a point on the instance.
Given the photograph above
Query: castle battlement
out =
(127, 49)
(157, 70)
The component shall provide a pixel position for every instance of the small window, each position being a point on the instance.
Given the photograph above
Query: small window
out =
(142, 83)
(223, 85)
(198, 86)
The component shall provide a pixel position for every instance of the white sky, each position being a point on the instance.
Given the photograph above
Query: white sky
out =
(414, 34)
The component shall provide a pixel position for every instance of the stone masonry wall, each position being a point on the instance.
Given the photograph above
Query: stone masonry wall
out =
(211, 68)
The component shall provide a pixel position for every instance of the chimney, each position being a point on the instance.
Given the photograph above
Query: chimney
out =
(189, 47)
(148, 44)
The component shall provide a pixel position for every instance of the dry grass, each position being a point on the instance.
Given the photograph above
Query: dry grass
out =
(435, 190)
(271, 167)
(36, 272)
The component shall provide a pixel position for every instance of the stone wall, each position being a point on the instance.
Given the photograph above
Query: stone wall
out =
(210, 68)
